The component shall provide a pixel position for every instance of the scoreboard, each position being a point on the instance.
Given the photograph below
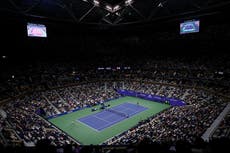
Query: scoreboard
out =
(36, 30)
(190, 27)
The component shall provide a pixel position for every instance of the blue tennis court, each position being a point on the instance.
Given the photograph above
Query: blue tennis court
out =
(111, 116)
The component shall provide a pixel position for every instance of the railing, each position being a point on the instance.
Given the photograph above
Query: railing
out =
(209, 132)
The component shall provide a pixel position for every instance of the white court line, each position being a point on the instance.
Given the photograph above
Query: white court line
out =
(134, 111)
(88, 126)
(100, 119)
(109, 114)
(118, 120)
(114, 122)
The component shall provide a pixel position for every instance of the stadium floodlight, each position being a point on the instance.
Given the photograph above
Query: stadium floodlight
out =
(112, 9)
(128, 2)
(100, 68)
(96, 2)
(117, 7)
(109, 8)
(221, 73)
(160, 5)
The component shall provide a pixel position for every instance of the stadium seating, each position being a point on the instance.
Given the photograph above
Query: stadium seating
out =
(173, 79)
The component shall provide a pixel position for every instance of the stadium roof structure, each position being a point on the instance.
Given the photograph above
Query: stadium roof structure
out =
(106, 12)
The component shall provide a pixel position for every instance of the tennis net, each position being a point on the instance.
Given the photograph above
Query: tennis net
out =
(117, 112)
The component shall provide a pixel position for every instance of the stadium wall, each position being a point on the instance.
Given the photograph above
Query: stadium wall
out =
(155, 98)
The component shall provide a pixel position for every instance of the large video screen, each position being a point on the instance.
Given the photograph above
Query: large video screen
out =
(190, 27)
(36, 30)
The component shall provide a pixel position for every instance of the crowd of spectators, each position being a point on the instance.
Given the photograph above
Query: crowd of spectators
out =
(7, 133)
(23, 116)
(165, 127)
(177, 123)
(74, 97)
(64, 87)
(30, 127)
(210, 73)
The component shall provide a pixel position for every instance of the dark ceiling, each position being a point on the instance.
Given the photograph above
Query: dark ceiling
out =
(108, 12)
(83, 27)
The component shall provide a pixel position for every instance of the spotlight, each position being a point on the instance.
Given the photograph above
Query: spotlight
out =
(117, 7)
(128, 2)
(96, 2)
(109, 8)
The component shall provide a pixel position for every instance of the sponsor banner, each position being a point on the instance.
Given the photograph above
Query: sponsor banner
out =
(160, 99)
